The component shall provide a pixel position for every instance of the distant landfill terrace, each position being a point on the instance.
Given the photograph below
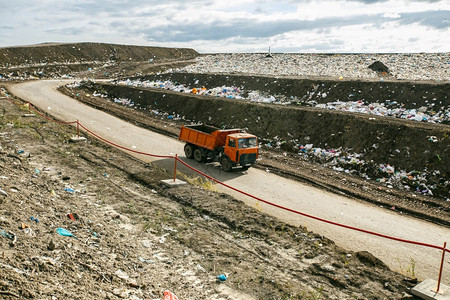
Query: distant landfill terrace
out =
(415, 66)
(38, 55)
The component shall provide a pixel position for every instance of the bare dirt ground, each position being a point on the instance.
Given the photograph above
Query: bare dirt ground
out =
(133, 238)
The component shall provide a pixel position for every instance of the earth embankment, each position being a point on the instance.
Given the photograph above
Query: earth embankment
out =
(408, 94)
(91, 59)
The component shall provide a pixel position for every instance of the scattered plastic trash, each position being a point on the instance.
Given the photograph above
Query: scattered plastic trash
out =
(2, 192)
(121, 274)
(28, 231)
(64, 232)
(162, 239)
(7, 234)
(69, 190)
(34, 219)
(222, 277)
(407, 66)
(200, 268)
(168, 295)
(70, 216)
(433, 139)
(149, 261)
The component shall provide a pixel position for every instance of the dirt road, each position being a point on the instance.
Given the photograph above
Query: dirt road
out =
(294, 195)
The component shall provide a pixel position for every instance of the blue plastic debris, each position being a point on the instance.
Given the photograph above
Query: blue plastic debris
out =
(5, 234)
(222, 277)
(69, 190)
(64, 232)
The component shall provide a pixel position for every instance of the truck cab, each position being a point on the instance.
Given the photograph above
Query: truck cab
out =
(241, 149)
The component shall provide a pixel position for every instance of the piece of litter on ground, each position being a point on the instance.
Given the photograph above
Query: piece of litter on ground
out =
(222, 277)
(64, 232)
(2, 192)
(121, 274)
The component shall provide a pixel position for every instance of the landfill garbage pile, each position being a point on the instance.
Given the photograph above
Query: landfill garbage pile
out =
(413, 66)
(390, 109)
(340, 160)
(430, 112)
(228, 92)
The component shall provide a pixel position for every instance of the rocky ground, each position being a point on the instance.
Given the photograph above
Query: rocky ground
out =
(133, 238)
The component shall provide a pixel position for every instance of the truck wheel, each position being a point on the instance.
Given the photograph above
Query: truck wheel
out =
(189, 151)
(225, 164)
(198, 155)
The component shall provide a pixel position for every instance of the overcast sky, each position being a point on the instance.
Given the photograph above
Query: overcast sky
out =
(234, 25)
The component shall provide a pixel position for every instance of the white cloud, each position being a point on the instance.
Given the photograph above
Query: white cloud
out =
(234, 25)
(392, 15)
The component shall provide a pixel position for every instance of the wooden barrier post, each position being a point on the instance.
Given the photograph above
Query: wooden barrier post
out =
(173, 182)
(440, 270)
(77, 138)
(175, 168)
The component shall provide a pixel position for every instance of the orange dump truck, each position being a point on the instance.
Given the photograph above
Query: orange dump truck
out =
(230, 147)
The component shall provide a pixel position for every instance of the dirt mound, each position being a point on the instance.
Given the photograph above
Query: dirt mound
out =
(88, 52)
(379, 67)
(56, 60)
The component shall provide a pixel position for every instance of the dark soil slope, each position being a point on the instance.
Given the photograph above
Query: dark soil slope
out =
(56, 60)
(87, 52)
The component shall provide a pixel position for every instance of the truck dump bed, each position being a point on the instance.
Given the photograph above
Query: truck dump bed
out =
(205, 136)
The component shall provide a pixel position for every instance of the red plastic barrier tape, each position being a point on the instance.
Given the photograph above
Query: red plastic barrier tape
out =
(124, 148)
(47, 118)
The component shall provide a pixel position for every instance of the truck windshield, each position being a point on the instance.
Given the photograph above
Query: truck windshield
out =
(247, 143)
